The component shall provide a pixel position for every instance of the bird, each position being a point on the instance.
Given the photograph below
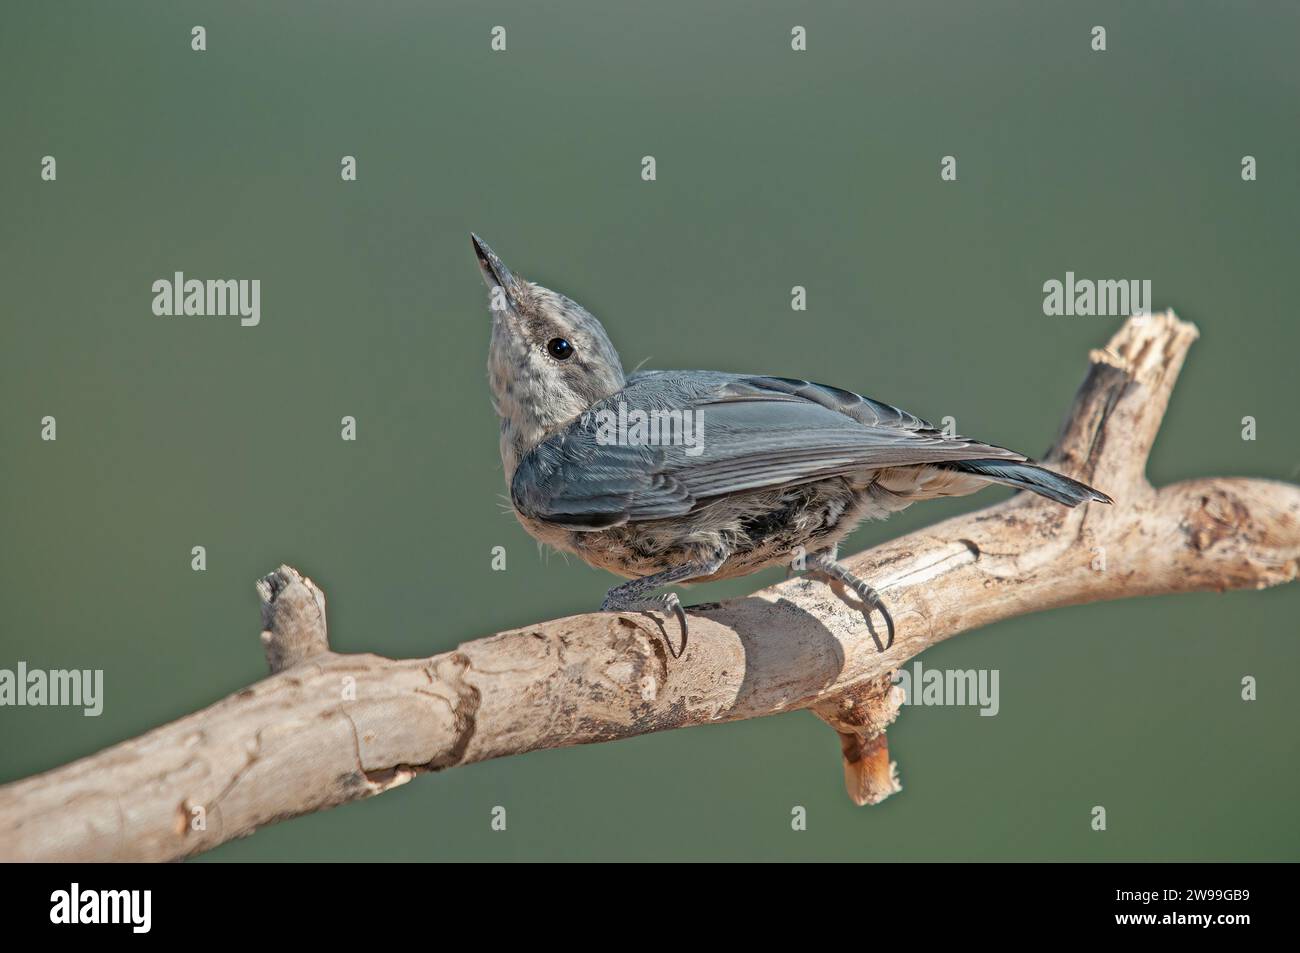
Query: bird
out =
(682, 477)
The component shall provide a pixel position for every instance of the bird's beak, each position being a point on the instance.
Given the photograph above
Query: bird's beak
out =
(495, 273)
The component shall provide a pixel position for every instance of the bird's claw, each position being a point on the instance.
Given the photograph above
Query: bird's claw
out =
(669, 602)
(675, 604)
(871, 600)
(827, 567)
(889, 624)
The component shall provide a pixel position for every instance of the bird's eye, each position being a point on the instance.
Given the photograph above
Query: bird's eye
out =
(559, 349)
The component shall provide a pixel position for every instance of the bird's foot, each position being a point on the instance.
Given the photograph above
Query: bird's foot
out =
(634, 594)
(824, 564)
(666, 603)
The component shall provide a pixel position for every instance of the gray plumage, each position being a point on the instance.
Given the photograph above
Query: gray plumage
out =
(780, 468)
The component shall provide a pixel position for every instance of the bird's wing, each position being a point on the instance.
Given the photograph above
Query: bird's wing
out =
(752, 432)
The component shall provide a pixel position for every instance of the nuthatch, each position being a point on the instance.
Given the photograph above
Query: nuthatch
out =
(689, 476)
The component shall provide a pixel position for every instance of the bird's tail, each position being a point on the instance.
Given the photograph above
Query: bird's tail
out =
(1030, 476)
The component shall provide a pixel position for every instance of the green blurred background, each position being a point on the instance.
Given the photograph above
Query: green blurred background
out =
(775, 169)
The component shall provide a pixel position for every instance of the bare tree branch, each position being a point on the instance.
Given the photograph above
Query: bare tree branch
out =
(293, 619)
(325, 728)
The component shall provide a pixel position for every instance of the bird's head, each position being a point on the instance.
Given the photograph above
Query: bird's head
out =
(549, 359)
